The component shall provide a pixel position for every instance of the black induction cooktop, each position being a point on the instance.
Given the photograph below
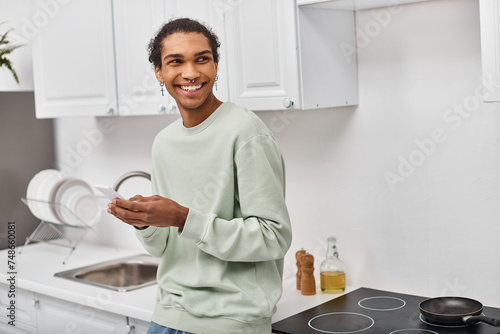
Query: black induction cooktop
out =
(369, 311)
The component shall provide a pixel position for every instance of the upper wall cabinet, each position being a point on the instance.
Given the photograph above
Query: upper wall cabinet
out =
(262, 54)
(281, 56)
(90, 58)
(490, 49)
(135, 23)
(355, 4)
(210, 12)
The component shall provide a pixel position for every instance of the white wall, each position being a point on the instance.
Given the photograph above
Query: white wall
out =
(436, 230)
(100, 150)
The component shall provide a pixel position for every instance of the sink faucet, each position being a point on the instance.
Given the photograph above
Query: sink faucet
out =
(128, 176)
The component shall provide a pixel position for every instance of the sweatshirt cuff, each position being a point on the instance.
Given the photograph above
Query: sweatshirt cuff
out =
(196, 225)
(147, 232)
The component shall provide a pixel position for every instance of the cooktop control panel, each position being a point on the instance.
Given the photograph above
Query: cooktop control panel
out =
(369, 311)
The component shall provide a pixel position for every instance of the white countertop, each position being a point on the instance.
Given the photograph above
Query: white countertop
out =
(37, 263)
(293, 302)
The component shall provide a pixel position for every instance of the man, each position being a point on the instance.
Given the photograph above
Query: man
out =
(219, 221)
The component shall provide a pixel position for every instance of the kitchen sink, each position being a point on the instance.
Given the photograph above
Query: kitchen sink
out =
(124, 274)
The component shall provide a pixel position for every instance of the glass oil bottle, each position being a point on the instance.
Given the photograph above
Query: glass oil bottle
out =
(332, 274)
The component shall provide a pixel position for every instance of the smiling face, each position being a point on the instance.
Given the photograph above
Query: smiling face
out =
(188, 71)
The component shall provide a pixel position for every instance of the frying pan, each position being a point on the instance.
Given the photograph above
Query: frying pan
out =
(454, 311)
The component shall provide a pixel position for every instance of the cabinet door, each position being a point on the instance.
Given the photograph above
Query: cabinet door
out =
(262, 54)
(59, 316)
(136, 23)
(210, 13)
(73, 60)
(25, 315)
(490, 49)
(140, 327)
(20, 328)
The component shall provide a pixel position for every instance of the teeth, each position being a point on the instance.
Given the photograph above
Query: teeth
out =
(190, 88)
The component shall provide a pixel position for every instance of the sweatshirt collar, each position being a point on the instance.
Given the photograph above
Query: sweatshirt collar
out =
(203, 125)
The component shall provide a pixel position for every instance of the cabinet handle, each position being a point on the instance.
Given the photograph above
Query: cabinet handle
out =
(129, 329)
(162, 109)
(287, 103)
(35, 302)
(111, 111)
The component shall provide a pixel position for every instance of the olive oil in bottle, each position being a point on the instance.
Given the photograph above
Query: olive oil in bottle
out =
(332, 274)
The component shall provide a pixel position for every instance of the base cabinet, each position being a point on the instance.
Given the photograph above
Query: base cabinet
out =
(19, 328)
(59, 316)
(40, 314)
(18, 314)
(139, 326)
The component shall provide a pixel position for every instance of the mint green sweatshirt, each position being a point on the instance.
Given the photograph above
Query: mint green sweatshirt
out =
(223, 272)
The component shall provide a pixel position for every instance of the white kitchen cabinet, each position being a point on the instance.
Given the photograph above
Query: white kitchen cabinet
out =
(59, 316)
(355, 4)
(73, 62)
(90, 58)
(18, 329)
(262, 54)
(210, 12)
(24, 316)
(281, 56)
(490, 49)
(37, 313)
(135, 23)
(139, 326)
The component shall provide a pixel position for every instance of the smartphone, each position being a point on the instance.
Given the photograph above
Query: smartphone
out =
(108, 191)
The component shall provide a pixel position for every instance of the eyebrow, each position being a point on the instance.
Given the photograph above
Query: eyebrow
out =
(179, 55)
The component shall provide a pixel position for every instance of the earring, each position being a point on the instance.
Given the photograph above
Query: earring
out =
(216, 78)
(161, 88)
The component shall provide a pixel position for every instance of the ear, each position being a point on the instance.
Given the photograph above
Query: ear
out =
(216, 66)
(158, 75)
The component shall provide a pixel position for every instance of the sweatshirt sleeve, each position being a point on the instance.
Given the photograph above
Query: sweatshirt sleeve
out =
(262, 231)
(154, 239)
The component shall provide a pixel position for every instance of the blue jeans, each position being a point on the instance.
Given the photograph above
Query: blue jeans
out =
(154, 328)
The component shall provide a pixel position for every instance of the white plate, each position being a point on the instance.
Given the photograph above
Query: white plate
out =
(44, 191)
(53, 192)
(38, 193)
(66, 195)
(87, 208)
(31, 193)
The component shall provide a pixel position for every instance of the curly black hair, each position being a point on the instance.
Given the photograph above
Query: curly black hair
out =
(182, 25)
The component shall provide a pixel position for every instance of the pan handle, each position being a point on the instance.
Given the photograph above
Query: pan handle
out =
(490, 321)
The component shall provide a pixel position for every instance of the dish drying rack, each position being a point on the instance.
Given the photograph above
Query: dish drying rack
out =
(55, 233)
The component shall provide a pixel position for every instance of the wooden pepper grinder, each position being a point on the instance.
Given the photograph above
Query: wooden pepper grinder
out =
(307, 284)
(298, 255)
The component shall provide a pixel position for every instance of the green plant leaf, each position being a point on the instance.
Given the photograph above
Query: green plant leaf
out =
(6, 48)
(8, 64)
